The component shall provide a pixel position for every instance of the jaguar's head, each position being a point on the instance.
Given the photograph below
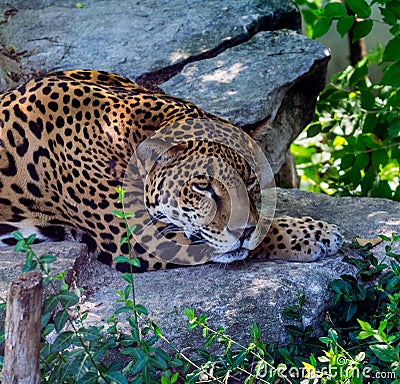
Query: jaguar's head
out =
(204, 186)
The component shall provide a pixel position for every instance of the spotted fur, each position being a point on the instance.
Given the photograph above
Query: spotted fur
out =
(66, 140)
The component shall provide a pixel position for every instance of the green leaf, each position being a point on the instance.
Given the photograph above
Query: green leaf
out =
(141, 309)
(361, 161)
(127, 277)
(135, 262)
(360, 71)
(368, 181)
(123, 310)
(294, 330)
(20, 246)
(60, 319)
(389, 17)
(392, 50)
(396, 195)
(254, 333)
(382, 190)
(157, 330)
(351, 310)
(360, 7)
(47, 259)
(90, 333)
(385, 353)
(30, 239)
(189, 313)
(309, 16)
(313, 361)
(370, 122)
(362, 29)
(367, 330)
(18, 236)
(116, 378)
(314, 129)
(68, 299)
(394, 6)
(121, 259)
(367, 99)
(131, 230)
(379, 157)
(30, 265)
(340, 286)
(372, 141)
(333, 335)
(392, 75)
(335, 10)
(63, 341)
(394, 129)
(118, 214)
(50, 303)
(127, 292)
(321, 27)
(138, 366)
(395, 30)
(347, 161)
(344, 24)
(240, 358)
(382, 325)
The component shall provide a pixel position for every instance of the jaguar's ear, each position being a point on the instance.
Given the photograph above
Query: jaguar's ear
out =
(155, 151)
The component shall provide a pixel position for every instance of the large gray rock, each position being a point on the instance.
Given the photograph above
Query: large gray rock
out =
(236, 296)
(265, 82)
(132, 38)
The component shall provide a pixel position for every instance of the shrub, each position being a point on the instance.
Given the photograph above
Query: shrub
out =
(352, 147)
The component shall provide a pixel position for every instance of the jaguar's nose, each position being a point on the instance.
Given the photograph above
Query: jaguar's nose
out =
(247, 232)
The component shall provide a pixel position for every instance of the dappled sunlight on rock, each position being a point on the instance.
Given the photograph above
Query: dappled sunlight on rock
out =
(224, 75)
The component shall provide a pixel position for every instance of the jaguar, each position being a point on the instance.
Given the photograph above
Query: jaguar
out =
(72, 142)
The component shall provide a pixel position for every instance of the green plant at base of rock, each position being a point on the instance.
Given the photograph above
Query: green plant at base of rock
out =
(251, 364)
(352, 147)
(363, 339)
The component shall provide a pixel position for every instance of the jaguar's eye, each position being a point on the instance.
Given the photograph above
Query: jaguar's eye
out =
(251, 183)
(202, 187)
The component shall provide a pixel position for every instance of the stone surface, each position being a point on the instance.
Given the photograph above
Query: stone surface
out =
(236, 296)
(129, 37)
(261, 85)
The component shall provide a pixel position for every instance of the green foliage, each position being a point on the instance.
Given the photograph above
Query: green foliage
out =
(353, 144)
(253, 363)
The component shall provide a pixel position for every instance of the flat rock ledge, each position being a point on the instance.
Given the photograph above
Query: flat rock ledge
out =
(243, 60)
(233, 296)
